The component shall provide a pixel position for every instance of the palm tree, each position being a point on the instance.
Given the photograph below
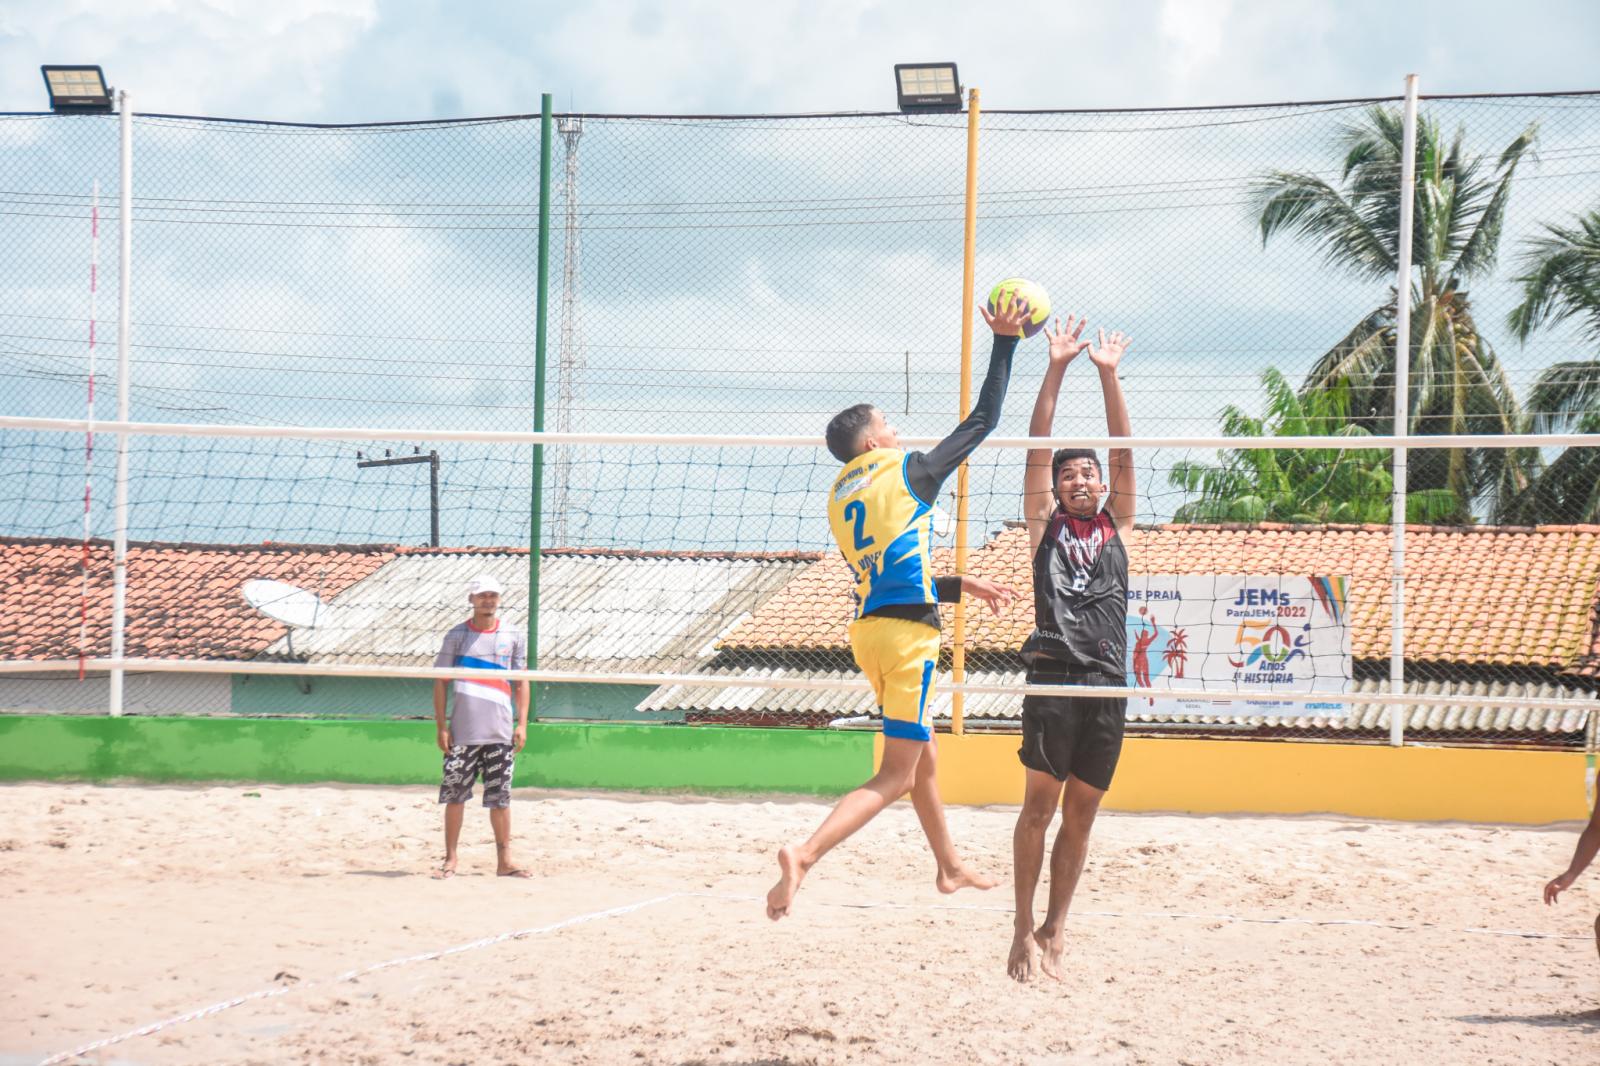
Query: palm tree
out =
(1457, 384)
(1344, 483)
(1561, 282)
(1176, 653)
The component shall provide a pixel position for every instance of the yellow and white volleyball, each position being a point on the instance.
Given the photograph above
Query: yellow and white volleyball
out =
(1003, 295)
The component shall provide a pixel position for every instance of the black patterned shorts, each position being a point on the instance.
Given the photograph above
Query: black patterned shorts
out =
(465, 762)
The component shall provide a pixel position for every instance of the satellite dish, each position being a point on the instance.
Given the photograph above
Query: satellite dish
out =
(943, 524)
(286, 603)
(289, 604)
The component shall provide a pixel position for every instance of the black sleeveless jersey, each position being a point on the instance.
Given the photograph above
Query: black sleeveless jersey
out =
(1080, 599)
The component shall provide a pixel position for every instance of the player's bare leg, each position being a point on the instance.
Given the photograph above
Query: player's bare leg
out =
(500, 820)
(1040, 798)
(1078, 808)
(453, 815)
(858, 807)
(954, 874)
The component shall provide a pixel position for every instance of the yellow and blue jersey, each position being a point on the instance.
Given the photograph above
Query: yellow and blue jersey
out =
(883, 529)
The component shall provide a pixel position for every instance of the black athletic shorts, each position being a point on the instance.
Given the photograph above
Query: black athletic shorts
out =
(465, 762)
(1073, 736)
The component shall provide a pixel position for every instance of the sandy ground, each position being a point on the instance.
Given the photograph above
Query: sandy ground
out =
(121, 906)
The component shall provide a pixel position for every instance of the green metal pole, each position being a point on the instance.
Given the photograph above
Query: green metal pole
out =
(536, 517)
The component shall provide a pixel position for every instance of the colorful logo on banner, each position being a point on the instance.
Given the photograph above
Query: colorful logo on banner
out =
(1267, 645)
(1330, 592)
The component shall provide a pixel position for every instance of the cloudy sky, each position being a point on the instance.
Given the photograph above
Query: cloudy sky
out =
(733, 277)
(371, 60)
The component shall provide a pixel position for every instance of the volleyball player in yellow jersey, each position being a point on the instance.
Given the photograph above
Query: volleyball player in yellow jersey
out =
(881, 508)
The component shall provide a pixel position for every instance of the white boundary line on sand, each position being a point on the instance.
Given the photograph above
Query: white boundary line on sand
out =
(629, 908)
(351, 975)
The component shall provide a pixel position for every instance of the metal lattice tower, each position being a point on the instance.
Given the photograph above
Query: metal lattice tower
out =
(571, 354)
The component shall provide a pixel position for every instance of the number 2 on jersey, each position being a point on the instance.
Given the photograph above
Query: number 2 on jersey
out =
(855, 512)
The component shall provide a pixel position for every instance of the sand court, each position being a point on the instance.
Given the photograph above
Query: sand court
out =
(642, 937)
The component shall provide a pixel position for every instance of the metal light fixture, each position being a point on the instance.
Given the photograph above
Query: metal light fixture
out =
(77, 88)
(927, 86)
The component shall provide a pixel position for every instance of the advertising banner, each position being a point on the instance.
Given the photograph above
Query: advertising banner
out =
(1224, 644)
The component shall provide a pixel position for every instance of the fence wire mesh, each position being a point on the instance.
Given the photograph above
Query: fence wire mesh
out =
(754, 276)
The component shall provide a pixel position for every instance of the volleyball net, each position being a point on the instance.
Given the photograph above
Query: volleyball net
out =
(333, 374)
(702, 586)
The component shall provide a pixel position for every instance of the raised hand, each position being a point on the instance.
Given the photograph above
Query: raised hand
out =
(1108, 352)
(1064, 343)
(1009, 322)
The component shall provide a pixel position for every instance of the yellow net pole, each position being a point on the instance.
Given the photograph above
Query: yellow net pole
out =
(958, 640)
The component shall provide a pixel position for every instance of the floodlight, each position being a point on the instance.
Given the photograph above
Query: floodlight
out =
(77, 88)
(927, 86)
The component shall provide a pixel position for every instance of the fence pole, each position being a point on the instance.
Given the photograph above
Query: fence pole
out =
(958, 640)
(1402, 416)
(536, 515)
(119, 564)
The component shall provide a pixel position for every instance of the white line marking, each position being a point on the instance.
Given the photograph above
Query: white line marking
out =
(615, 912)
(351, 975)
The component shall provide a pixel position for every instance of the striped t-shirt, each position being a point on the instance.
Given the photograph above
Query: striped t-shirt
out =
(481, 710)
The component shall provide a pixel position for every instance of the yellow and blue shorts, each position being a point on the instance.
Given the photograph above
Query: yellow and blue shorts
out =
(901, 658)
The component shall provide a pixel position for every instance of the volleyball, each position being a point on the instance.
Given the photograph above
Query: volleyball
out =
(1014, 288)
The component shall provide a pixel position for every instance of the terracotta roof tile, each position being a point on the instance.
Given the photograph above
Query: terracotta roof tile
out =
(1484, 595)
(182, 601)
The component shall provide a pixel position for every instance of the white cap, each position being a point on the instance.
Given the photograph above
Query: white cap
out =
(484, 583)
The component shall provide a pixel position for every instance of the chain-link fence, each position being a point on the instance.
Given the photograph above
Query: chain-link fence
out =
(716, 276)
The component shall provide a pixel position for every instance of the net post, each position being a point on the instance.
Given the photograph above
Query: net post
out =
(958, 638)
(433, 496)
(119, 557)
(88, 433)
(1402, 416)
(536, 513)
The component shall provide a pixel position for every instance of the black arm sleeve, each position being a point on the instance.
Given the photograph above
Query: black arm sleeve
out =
(927, 471)
(949, 588)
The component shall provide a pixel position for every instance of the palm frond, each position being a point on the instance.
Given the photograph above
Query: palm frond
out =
(1561, 278)
(1307, 205)
(1564, 394)
(1481, 248)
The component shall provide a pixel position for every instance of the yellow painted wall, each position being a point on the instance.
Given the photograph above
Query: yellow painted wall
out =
(1282, 777)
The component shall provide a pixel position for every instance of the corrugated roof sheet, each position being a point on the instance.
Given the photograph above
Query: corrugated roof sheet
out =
(1506, 716)
(1483, 595)
(608, 610)
(183, 600)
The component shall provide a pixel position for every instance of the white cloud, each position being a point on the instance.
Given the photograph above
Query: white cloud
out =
(223, 57)
(362, 60)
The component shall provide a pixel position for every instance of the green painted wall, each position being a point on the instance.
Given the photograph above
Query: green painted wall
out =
(558, 755)
(269, 695)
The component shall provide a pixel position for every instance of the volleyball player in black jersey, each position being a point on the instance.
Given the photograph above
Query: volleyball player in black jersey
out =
(1070, 745)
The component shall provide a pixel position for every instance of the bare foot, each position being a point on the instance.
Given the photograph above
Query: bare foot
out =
(1020, 964)
(446, 870)
(513, 871)
(963, 876)
(1051, 948)
(792, 872)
